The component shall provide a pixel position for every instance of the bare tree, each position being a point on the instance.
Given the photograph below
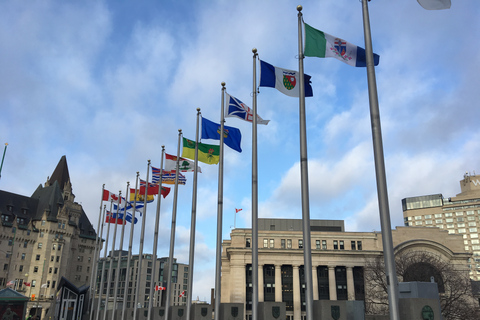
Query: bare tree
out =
(456, 298)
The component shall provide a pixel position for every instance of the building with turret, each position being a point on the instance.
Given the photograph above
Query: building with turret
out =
(44, 237)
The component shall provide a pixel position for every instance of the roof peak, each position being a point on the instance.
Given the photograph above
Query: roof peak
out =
(60, 174)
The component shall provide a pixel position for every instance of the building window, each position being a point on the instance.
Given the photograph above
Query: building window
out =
(37, 257)
(23, 256)
(354, 247)
(324, 244)
(20, 268)
(282, 242)
(35, 269)
(265, 243)
(25, 244)
(359, 245)
(248, 242)
(317, 244)
(79, 268)
(58, 258)
(335, 244)
(5, 266)
(53, 284)
(50, 270)
(52, 258)
(289, 243)
(55, 271)
(342, 246)
(300, 243)
(418, 217)
(272, 243)
(448, 214)
(428, 216)
(54, 247)
(459, 214)
(40, 245)
(33, 283)
(438, 215)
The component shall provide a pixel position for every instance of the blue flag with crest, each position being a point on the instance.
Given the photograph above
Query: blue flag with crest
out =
(231, 136)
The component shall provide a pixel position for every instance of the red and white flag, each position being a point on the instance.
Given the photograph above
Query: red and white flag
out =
(27, 284)
(182, 294)
(11, 283)
(157, 288)
(238, 210)
(107, 196)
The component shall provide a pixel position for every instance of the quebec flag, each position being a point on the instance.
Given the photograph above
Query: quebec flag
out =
(284, 80)
(238, 109)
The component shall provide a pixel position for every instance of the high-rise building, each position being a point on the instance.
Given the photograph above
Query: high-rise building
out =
(458, 215)
(339, 261)
(44, 237)
(179, 281)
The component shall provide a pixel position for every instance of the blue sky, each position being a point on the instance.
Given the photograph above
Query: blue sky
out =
(106, 83)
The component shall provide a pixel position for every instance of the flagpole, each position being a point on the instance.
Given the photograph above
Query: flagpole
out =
(388, 254)
(142, 235)
(103, 267)
(172, 231)
(129, 257)
(218, 256)
(3, 158)
(191, 256)
(155, 239)
(120, 249)
(95, 259)
(307, 247)
(256, 286)
(112, 258)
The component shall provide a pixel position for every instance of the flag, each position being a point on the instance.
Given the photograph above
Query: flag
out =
(284, 80)
(28, 284)
(156, 175)
(128, 217)
(182, 294)
(140, 196)
(152, 188)
(207, 153)
(43, 286)
(322, 45)
(157, 288)
(184, 164)
(238, 210)
(11, 283)
(165, 191)
(169, 178)
(111, 219)
(232, 137)
(236, 108)
(107, 196)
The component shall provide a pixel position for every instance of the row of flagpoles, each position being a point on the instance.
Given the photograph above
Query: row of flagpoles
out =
(291, 83)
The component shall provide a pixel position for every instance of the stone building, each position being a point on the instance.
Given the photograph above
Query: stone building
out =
(457, 215)
(43, 237)
(339, 259)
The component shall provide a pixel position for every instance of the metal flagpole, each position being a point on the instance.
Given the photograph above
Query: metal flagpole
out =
(155, 239)
(95, 259)
(104, 262)
(255, 284)
(120, 249)
(112, 260)
(191, 255)
(172, 231)
(218, 255)
(142, 235)
(130, 243)
(389, 258)
(3, 158)
(307, 246)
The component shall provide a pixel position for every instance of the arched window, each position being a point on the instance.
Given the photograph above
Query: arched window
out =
(422, 272)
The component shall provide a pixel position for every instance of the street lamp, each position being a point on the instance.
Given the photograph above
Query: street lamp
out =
(435, 4)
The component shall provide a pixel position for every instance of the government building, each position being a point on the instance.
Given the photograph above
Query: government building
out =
(46, 240)
(341, 262)
(458, 215)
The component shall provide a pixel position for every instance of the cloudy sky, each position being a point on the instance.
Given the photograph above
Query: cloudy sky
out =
(107, 83)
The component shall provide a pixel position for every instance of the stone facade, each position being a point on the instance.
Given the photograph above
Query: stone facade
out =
(338, 261)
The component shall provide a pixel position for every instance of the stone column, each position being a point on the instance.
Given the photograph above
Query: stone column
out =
(332, 284)
(260, 283)
(315, 282)
(297, 303)
(278, 283)
(350, 284)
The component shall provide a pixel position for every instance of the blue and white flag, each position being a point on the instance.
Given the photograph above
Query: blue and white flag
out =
(284, 80)
(120, 216)
(236, 108)
(232, 137)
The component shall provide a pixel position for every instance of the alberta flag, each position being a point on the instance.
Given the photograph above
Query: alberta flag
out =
(236, 108)
(322, 45)
(284, 80)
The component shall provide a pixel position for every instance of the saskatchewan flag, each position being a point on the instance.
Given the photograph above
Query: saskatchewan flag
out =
(207, 153)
